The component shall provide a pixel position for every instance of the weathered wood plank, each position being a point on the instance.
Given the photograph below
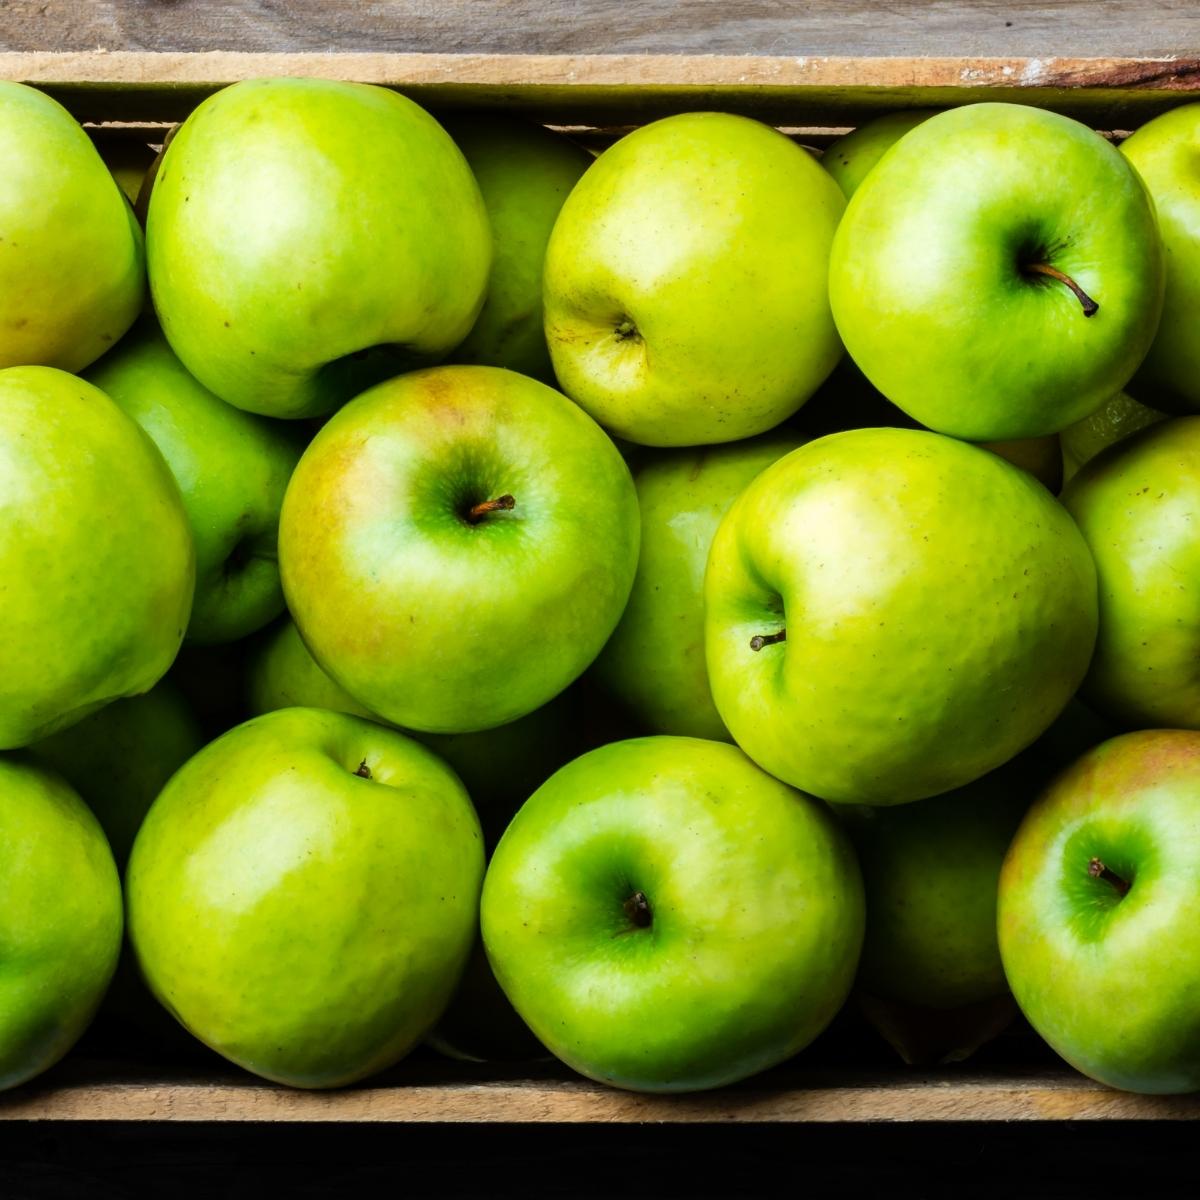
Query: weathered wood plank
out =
(1018, 28)
(612, 89)
(94, 1092)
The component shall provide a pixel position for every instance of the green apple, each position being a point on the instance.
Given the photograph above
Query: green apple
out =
(999, 273)
(120, 758)
(930, 871)
(891, 614)
(1163, 151)
(303, 895)
(685, 291)
(60, 919)
(1110, 423)
(1099, 908)
(232, 469)
(850, 158)
(96, 556)
(667, 917)
(524, 172)
(456, 546)
(1041, 457)
(308, 237)
(281, 673)
(71, 271)
(654, 662)
(1136, 505)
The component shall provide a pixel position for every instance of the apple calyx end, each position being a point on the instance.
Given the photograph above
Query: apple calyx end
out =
(625, 329)
(767, 639)
(1097, 870)
(477, 512)
(1089, 306)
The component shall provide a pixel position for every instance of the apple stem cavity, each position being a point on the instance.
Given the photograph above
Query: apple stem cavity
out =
(759, 640)
(477, 512)
(1097, 870)
(1090, 307)
(637, 909)
(363, 771)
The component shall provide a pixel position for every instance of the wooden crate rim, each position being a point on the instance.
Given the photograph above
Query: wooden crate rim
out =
(132, 68)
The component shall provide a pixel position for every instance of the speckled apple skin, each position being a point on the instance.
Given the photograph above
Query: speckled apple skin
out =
(72, 275)
(295, 223)
(756, 915)
(306, 922)
(1138, 504)
(1111, 982)
(96, 556)
(940, 609)
(60, 918)
(709, 234)
(426, 620)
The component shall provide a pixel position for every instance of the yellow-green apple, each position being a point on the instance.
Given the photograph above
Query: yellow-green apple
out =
(302, 896)
(1097, 911)
(524, 172)
(1110, 423)
(96, 556)
(654, 661)
(891, 614)
(1136, 505)
(308, 237)
(666, 917)
(72, 277)
(120, 758)
(685, 289)
(456, 546)
(60, 918)
(999, 273)
(851, 157)
(1163, 151)
(232, 468)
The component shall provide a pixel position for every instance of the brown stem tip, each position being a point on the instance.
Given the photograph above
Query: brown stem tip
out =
(637, 909)
(767, 639)
(363, 772)
(477, 512)
(1090, 307)
(1097, 870)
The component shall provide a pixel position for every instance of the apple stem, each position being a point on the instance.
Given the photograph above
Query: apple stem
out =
(477, 512)
(1097, 870)
(759, 640)
(637, 909)
(363, 772)
(1090, 307)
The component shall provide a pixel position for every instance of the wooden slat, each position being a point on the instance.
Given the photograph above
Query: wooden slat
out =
(609, 89)
(1146, 28)
(106, 1093)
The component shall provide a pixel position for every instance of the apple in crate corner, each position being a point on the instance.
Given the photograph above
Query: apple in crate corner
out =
(71, 273)
(60, 918)
(303, 895)
(1098, 913)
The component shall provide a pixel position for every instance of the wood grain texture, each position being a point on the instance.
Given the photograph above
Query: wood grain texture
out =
(617, 89)
(1007, 28)
(99, 1092)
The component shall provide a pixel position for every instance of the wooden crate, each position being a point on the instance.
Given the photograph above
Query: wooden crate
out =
(813, 95)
